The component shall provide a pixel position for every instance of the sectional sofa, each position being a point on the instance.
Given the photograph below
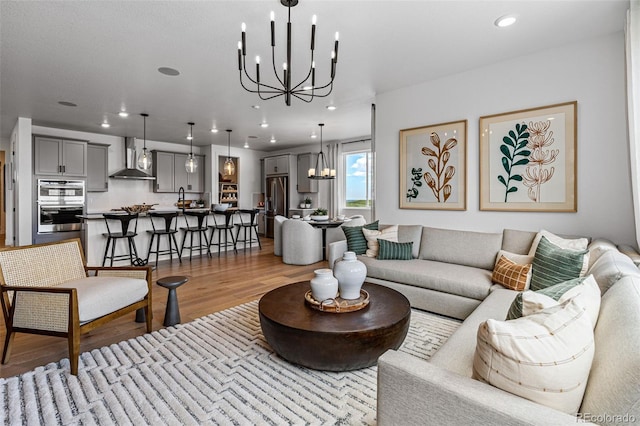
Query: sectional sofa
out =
(450, 274)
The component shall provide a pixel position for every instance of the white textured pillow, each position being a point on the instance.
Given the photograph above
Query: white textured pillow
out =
(390, 233)
(579, 244)
(520, 259)
(598, 247)
(545, 357)
(533, 301)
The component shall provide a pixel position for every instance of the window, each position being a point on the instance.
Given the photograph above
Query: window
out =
(357, 182)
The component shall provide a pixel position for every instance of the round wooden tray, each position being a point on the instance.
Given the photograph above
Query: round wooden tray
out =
(338, 305)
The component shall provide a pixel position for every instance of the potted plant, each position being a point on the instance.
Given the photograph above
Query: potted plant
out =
(320, 214)
(307, 202)
(200, 202)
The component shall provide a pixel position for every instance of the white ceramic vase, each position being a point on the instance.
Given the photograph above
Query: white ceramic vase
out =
(350, 273)
(324, 285)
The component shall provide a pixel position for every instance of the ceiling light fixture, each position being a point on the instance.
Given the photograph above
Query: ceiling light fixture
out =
(505, 21)
(255, 106)
(123, 114)
(321, 171)
(229, 168)
(168, 71)
(264, 125)
(331, 107)
(272, 140)
(214, 130)
(144, 159)
(284, 87)
(191, 164)
(105, 125)
(246, 144)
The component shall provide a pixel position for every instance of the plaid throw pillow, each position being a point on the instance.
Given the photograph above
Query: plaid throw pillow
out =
(356, 242)
(388, 250)
(511, 275)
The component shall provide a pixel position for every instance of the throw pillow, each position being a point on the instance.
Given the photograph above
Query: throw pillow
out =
(356, 242)
(553, 264)
(390, 234)
(545, 357)
(511, 275)
(578, 244)
(394, 251)
(530, 302)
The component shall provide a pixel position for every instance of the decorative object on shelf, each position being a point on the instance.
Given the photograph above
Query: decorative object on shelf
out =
(319, 214)
(321, 171)
(338, 305)
(350, 273)
(229, 168)
(303, 90)
(192, 163)
(307, 203)
(200, 202)
(324, 285)
(144, 159)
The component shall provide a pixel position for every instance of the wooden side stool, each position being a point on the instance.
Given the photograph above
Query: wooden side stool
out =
(172, 313)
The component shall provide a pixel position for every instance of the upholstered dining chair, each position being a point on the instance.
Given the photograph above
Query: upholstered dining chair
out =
(47, 289)
(277, 234)
(301, 243)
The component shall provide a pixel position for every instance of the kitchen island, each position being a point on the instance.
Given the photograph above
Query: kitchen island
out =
(95, 242)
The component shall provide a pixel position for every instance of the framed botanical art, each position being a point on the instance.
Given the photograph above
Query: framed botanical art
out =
(433, 167)
(528, 160)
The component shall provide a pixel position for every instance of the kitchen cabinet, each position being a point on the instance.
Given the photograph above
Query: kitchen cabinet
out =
(170, 173)
(228, 193)
(276, 165)
(59, 157)
(305, 162)
(98, 167)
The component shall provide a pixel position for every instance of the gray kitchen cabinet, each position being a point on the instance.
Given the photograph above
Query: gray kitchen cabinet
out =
(276, 165)
(98, 167)
(170, 173)
(305, 162)
(62, 157)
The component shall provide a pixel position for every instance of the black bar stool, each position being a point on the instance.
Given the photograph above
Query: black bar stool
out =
(224, 225)
(200, 229)
(120, 222)
(164, 228)
(249, 226)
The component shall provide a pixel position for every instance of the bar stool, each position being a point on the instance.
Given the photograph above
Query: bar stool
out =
(120, 222)
(200, 229)
(164, 228)
(223, 223)
(250, 226)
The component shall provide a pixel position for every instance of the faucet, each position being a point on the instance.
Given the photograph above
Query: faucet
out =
(181, 191)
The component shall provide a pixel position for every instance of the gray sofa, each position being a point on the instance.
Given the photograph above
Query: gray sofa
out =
(451, 275)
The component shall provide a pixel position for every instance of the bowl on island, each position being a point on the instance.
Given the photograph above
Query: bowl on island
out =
(221, 207)
(138, 208)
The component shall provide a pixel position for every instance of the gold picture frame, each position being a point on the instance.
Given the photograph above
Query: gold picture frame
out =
(528, 160)
(433, 167)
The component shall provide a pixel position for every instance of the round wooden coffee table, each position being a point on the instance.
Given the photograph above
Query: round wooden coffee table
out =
(333, 341)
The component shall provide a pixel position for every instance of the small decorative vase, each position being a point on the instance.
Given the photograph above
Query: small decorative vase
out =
(324, 286)
(308, 205)
(350, 273)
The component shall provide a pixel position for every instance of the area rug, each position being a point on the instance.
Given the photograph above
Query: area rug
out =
(217, 369)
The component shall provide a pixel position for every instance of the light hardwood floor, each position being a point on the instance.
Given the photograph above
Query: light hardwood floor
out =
(214, 284)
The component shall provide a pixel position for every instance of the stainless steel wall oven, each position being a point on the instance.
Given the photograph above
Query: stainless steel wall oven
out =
(59, 203)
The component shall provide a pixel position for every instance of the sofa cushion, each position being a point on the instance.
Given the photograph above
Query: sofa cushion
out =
(388, 250)
(597, 248)
(99, 296)
(544, 357)
(476, 249)
(373, 235)
(517, 241)
(411, 233)
(460, 280)
(511, 274)
(613, 388)
(356, 242)
(553, 264)
(610, 267)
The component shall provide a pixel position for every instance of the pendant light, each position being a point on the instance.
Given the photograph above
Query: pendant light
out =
(321, 171)
(192, 163)
(229, 168)
(144, 159)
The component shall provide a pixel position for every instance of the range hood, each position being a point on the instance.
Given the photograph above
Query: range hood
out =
(130, 171)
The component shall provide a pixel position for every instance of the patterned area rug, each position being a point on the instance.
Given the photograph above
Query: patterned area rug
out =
(217, 369)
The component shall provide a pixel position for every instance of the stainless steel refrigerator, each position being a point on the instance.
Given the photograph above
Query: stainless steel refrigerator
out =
(276, 200)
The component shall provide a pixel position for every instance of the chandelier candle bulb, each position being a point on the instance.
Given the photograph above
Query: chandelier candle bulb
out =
(312, 172)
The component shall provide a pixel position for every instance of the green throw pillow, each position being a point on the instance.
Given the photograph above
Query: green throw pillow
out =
(356, 242)
(553, 264)
(555, 292)
(389, 250)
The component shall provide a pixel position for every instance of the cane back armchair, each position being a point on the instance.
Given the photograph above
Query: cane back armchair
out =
(48, 289)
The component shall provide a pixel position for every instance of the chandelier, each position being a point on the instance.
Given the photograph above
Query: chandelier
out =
(191, 164)
(229, 168)
(321, 171)
(305, 90)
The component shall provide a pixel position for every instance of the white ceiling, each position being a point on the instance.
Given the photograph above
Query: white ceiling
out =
(104, 56)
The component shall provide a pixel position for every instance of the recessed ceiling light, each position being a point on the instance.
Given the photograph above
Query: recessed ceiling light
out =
(189, 137)
(69, 104)
(331, 107)
(505, 21)
(123, 114)
(246, 144)
(264, 125)
(313, 136)
(255, 106)
(272, 140)
(168, 71)
(214, 130)
(106, 125)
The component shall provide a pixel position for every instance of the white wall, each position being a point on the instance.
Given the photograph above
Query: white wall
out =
(590, 72)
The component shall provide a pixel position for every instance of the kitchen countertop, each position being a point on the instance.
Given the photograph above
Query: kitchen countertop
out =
(99, 215)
